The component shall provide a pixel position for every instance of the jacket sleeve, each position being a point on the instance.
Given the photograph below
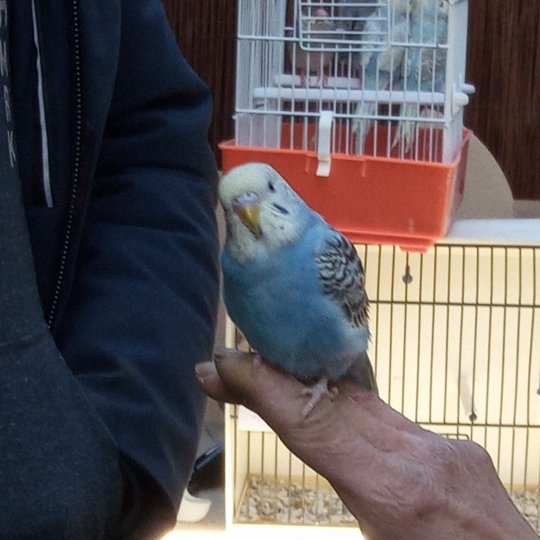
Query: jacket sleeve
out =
(143, 304)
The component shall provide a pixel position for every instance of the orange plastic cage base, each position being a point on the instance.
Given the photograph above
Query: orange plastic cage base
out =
(374, 200)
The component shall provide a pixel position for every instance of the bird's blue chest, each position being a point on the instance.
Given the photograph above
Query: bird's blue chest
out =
(279, 304)
(271, 287)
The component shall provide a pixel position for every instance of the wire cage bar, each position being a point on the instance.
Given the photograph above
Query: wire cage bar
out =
(456, 348)
(359, 104)
(390, 72)
(341, 27)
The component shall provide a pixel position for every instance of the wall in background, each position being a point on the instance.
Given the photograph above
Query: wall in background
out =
(503, 64)
(206, 32)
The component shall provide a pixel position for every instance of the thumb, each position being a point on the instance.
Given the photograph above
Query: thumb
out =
(235, 369)
(230, 377)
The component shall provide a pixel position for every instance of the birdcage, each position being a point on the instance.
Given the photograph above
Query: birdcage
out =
(360, 106)
(455, 347)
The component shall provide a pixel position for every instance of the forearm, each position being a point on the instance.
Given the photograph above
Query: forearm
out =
(142, 313)
(143, 304)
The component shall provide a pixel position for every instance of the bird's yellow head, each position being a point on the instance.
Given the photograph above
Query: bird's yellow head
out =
(260, 206)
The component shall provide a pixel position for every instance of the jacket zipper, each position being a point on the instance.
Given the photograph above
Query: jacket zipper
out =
(76, 165)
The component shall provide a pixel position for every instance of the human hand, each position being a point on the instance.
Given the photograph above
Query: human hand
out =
(400, 481)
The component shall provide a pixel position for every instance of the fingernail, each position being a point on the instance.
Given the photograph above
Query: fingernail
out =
(203, 370)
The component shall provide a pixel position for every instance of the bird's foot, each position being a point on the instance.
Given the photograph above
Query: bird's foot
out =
(360, 129)
(322, 79)
(404, 136)
(316, 393)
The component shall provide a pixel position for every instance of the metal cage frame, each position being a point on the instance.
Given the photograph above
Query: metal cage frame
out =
(276, 108)
(455, 347)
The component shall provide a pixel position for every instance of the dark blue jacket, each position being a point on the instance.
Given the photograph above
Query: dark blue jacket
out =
(126, 254)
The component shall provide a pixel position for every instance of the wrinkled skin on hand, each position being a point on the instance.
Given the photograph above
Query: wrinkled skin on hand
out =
(399, 480)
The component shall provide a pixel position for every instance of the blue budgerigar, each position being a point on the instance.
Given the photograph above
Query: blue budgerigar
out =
(293, 284)
(425, 67)
(380, 64)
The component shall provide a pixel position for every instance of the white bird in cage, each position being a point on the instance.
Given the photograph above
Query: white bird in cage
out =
(425, 68)
(379, 66)
(318, 27)
(293, 284)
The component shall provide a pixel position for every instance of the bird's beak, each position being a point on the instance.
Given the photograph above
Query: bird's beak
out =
(249, 214)
(248, 210)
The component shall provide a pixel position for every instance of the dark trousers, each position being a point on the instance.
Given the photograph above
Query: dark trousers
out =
(59, 468)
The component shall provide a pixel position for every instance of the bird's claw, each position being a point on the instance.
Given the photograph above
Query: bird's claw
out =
(322, 79)
(404, 136)
(360, 130)
(305, 80)
(316, 393)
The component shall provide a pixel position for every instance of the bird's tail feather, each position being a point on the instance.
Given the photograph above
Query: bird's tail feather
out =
(362, 373)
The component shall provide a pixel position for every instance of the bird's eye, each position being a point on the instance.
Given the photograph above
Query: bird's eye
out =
(271, 187)
(280, 209)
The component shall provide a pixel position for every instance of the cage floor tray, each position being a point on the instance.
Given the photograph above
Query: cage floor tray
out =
(371, 199)
(292, 502)
(528, 503)
(315, 503)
